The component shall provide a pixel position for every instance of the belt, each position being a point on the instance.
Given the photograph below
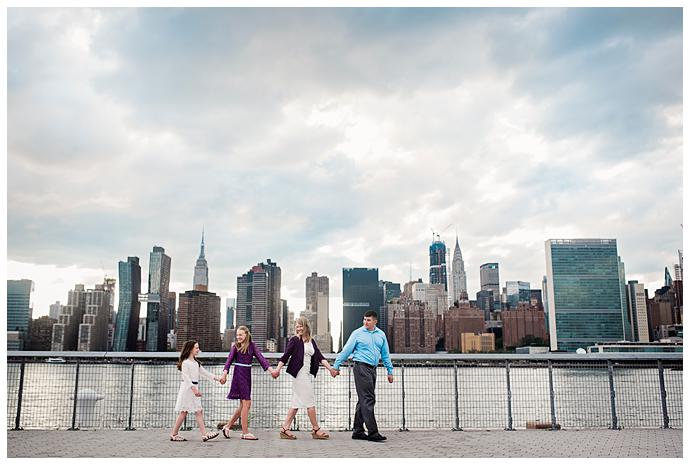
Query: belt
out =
(195, 382)
(243, 365)
(357, 362)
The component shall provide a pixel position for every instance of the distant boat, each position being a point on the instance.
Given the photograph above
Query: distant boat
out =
(55, 360)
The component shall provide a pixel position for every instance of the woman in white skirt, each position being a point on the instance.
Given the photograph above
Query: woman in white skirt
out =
(304, 358)
(189, 396)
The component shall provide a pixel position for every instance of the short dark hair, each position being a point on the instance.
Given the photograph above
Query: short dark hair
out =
(372, 314)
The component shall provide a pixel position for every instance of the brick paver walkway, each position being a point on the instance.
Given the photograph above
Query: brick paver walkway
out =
(521, 443)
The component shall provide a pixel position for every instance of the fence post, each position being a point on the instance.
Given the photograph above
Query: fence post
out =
(19, 398)
(402, 379)
(614, 417)
(662, 389)
(457, 406)
(131, 399)
(349, 399)
(510, 403)
(552, 397)
(74, 405)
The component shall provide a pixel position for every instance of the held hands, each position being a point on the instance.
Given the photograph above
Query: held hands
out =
(275, 373)
(334, 372)
(223, 379)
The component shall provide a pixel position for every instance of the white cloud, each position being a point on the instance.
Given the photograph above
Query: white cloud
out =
(332, 138)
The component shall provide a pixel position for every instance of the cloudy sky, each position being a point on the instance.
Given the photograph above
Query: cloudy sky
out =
(331, 138)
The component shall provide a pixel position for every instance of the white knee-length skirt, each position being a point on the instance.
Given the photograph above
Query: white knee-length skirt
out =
(187, 401)
(303, 389)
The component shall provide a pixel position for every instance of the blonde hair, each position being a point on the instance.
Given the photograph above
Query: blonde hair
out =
(244, 347)
(306, 332)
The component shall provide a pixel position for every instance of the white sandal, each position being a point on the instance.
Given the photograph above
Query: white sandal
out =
(249, 437)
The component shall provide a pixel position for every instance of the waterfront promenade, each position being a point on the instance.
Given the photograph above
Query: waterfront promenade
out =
(438, 443)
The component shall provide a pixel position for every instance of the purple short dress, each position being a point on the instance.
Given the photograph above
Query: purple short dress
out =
(241, 386)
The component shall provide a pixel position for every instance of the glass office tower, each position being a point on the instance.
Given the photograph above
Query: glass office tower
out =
(584, 293)
(361, 293)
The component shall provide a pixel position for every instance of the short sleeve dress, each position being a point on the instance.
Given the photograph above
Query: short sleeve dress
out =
(186, 400)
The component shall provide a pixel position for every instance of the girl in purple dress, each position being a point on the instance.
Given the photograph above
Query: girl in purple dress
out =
(242, 354)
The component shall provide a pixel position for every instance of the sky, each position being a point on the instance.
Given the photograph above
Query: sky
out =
(331, 138)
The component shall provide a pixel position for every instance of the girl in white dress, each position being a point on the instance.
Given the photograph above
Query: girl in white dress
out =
(189, 396)
(304, 359)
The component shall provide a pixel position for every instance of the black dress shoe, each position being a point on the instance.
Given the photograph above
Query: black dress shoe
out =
(376, 437)
(360, 436)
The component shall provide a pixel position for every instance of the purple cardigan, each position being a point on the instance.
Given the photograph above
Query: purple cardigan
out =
(295, 352)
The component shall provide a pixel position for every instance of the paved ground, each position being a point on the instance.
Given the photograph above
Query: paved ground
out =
(521, 443)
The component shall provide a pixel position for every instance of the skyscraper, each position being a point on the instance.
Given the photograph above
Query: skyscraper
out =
(230, 305)
(172, 314)
(517, 292)
(433, 295)
(19, 310)
(55, 310)
(584, 291)
(198, 317)
(489, 281)
(637, 311)
(201, 270)
(485, 302)
(412, 327)
(437, 262)
(459, 277)
(157, 301)
(41, 333)
(317, 301)
(361, 293)
(274, 306)
(129, 273)
(259, 306)
(93, 330)
(66, 330)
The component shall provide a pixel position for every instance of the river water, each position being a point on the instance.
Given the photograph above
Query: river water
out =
(582, 398)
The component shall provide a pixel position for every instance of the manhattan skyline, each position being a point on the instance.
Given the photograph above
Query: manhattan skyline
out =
(325, 139)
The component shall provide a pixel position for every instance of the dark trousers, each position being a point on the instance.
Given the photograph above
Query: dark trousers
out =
(365, 382)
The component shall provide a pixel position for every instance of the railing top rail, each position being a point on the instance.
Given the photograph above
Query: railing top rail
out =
(436, 357)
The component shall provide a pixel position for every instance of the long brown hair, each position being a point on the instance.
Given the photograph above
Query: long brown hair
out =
(184, 355)
(244, 347)
(306, 328)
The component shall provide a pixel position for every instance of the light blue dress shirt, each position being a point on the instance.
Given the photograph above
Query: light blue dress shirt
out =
(368, 347)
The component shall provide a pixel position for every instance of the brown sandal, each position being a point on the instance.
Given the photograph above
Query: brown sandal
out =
(315, 435)
(209, 436)
(177, 438)
(284, 434)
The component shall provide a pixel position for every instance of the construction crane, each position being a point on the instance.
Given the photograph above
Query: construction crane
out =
(435, 235)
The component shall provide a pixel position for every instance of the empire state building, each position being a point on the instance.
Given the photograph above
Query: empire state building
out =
(201, 270)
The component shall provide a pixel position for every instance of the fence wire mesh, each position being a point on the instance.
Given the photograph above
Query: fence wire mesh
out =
(638, 394)
(118, 393)
(582, 395)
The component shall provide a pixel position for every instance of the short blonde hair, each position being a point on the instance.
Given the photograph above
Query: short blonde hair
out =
(306, 333)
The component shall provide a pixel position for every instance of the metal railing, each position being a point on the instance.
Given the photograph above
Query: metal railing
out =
(130, 390)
